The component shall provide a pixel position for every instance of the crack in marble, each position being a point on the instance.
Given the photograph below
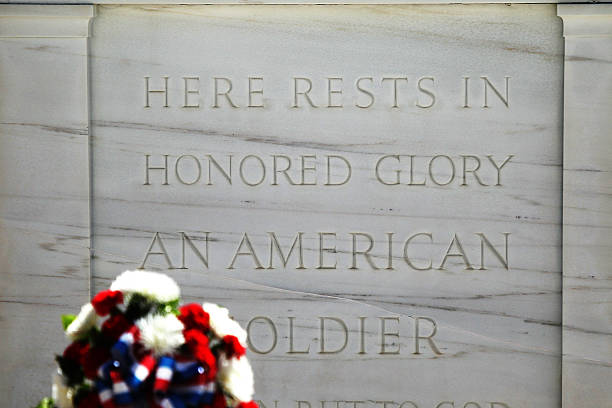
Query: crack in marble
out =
(512, 219)
(369, 305)
(50, 128)
(512, 345)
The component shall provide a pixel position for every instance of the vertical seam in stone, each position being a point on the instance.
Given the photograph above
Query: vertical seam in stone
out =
(89, 156)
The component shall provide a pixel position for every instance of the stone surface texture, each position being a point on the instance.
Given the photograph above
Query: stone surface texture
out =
(75, 209)
(499, 330)
(44, 193)
(587, 221)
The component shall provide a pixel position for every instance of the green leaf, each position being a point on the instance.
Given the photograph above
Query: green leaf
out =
(45, 403)
(67, 319)
(169, 307)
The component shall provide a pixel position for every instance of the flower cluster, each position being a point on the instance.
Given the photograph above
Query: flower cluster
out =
(134, 345)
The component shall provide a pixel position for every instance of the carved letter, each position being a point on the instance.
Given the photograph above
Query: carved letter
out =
(417, 335)
(274, 333)
(349, 171)
(250, 251)
(306, 168)
(474, 170)
(461, 253)
(304, 93)
(407, 258)
(260, 404)
(150, 91)
(362, 349)
(394, 79)
(326, 249)
(331, 92)
(384, 334)
(188, 92)
(227, 175)
(344, 330)
(365, 253)
(226, 93)
(149, 167)
(185, 238)
(255, 92)
(291, 349)
(484, 241)
(274, 244)
(427, 92)
(499, 167)
(390, 251)
(452, 166)
(465, 92)
(488, 84)
(365, 91)
(198, 166)
(412, 182)
(397, 172)
(385, 403)
(276, 170)
(156, 238)
(261, 164)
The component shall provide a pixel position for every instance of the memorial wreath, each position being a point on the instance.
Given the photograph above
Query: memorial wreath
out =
(149, 351)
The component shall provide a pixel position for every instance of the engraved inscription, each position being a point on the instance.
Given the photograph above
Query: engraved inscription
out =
(265, 335)
(378, 254)
(333, 92)
(329, 170)
(378, 403)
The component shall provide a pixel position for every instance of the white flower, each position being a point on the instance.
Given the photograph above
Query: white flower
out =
(222, 324)
(60, 392)
(161, 334)
(85, 320)
(156, 286)
(236, 377)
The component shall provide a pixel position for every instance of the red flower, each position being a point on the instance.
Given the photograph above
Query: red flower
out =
(115, 326)
(198, 344)
(194, 317)
(92, 360)
(219, 400)
(250, 404)
(76, 351)
(232, 347)
(91, 400)
(106, 300)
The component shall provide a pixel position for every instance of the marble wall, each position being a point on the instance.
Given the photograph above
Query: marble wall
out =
(512, 217)
(44, 198)
(498, 330)
(587, 292)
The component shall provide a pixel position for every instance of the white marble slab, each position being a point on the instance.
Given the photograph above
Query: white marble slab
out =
(44, 217)
(499, 330)
(587, 236)
(535, 335)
